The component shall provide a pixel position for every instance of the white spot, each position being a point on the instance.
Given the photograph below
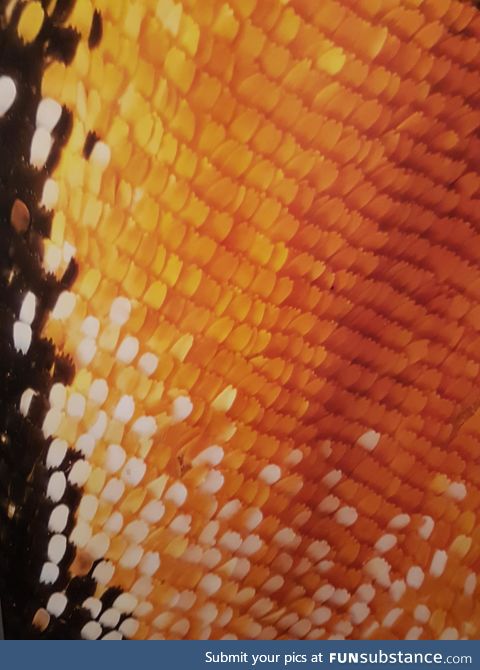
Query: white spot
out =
(150, 563)
(134, 471)
(186, 600)
(415, 577)
(230, 508)
(8, 92)
(213, 482)
(93, 605)
(56, 453)
(113, 635)
(27, 311)
(113, 490)
(136, 531)
(148, 363)
(99, 427)
(273, 584)
(98, 392)
(321, 615)
(470, 584)
(91, 327)
(392, 617)
(332, 478)
(414, 633)
(40, 148)
(457, 491)
(344, 628)
(114, 523)
(439, 561)
(143, 587)
(143, 609)
(88, 507)
(397, 589)
(57, 548)
(241, 569)
(358, 613)
(64, 306)
(212, 455)
(399, 521)
(252, 518)
(270, 474)
(81, 534)
(426, 528)
(210, 583)
(76, 406)
(250, 545)
(58, 519)
(103, 572)
(385, 543)
(79, 473)
(110, 617)
(58, 396)
(25, 400)
(91, 631)
(209, 533)
(285, 537)
(101, 154)
(163, 620)
(181, 524)
(120, 311)
(346, 516)
(98, 545)
(324, 593)
(57, 603)
(153, 511)
(56, 486)
(52, 258)
(127, 350)
(329, 504)
(422, 613)
(85, 352)
(51, 422)
(450, 633)
(369, 440)
(182, 407)
(68, 252)
(115, 457)
(129, 627)
(49, 573)
(324, 566)
(365, 593)
(48, 114)
(22, 336)
(50, 194)
(126, 603)
(340, 597)
(85, 444)
(318, 549)
(230, 540)
(177, 494)
(124, 409)
(145, 426)
(294, 457)
(379, 570)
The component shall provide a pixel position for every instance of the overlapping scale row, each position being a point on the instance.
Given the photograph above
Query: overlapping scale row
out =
(272, 430)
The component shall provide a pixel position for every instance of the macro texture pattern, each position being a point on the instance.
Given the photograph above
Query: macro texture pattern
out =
(240, 313)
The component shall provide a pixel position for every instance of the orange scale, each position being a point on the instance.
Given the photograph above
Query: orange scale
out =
(421, 549)
(452, 513)
(441, 536)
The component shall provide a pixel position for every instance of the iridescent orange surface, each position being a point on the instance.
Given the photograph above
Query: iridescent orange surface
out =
(277, 236)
